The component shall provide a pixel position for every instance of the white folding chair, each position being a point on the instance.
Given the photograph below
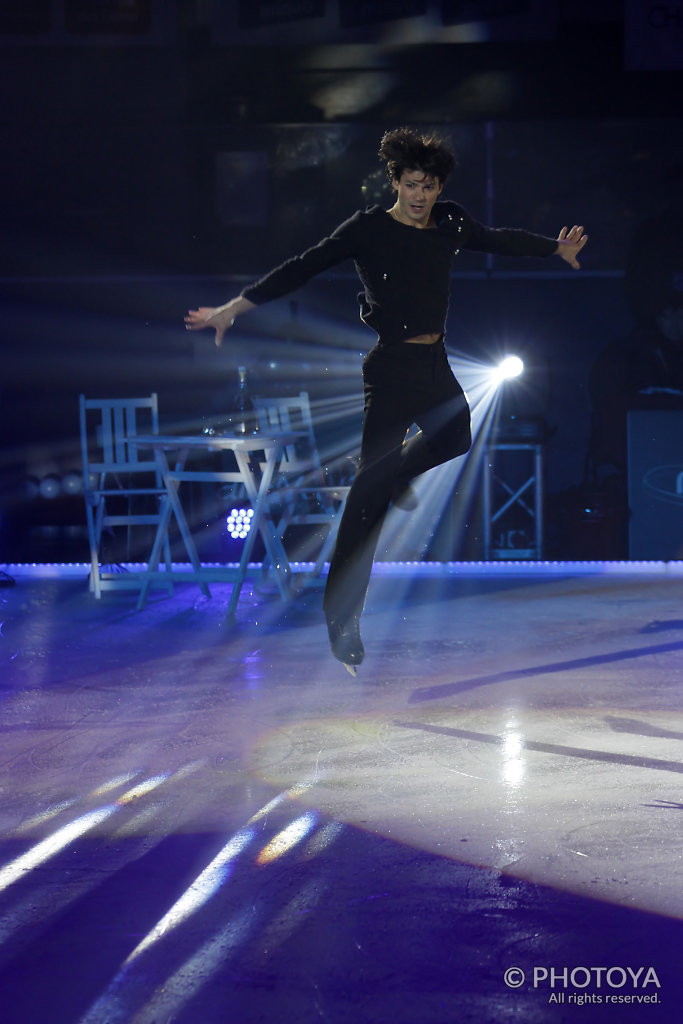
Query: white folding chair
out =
(304, 497)
(121, 484)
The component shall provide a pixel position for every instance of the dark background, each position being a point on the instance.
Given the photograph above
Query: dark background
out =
(158, 155)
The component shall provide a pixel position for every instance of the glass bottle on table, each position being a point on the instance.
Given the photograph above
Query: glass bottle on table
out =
(243, 414)
(239, 418)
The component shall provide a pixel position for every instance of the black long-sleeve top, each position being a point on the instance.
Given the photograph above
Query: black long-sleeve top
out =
(405, 271)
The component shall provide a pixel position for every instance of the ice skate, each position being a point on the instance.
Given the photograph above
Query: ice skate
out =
(346, 643)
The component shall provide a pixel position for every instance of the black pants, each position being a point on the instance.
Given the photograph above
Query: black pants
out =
(404, 384)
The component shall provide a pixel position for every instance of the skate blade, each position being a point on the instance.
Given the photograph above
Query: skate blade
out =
(351, 669)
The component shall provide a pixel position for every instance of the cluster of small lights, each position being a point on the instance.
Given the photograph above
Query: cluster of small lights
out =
(239, 522)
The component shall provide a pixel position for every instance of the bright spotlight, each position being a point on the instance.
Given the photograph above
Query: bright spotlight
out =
(510, 367)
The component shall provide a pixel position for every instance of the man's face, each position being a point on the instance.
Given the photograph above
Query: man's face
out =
(416, 193)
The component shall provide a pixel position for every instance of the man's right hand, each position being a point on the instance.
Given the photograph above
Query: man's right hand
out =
(221, 318)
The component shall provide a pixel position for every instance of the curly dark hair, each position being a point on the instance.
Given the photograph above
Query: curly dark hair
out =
(404, 149)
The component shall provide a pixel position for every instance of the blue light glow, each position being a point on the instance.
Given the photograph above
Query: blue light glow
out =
(47, 848)
(199, 892)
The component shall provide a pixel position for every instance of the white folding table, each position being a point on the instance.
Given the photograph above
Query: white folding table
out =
(258, 458)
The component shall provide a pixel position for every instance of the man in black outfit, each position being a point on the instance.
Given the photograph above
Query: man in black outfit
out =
(403, 258)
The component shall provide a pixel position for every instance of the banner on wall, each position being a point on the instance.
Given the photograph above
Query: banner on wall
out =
(655, 485)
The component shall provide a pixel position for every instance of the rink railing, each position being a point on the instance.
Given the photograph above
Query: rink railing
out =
(47, 570)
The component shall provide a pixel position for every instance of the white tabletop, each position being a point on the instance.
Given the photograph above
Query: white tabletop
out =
(218, 442)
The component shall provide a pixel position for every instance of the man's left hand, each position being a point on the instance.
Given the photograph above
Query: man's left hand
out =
(570, 242)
